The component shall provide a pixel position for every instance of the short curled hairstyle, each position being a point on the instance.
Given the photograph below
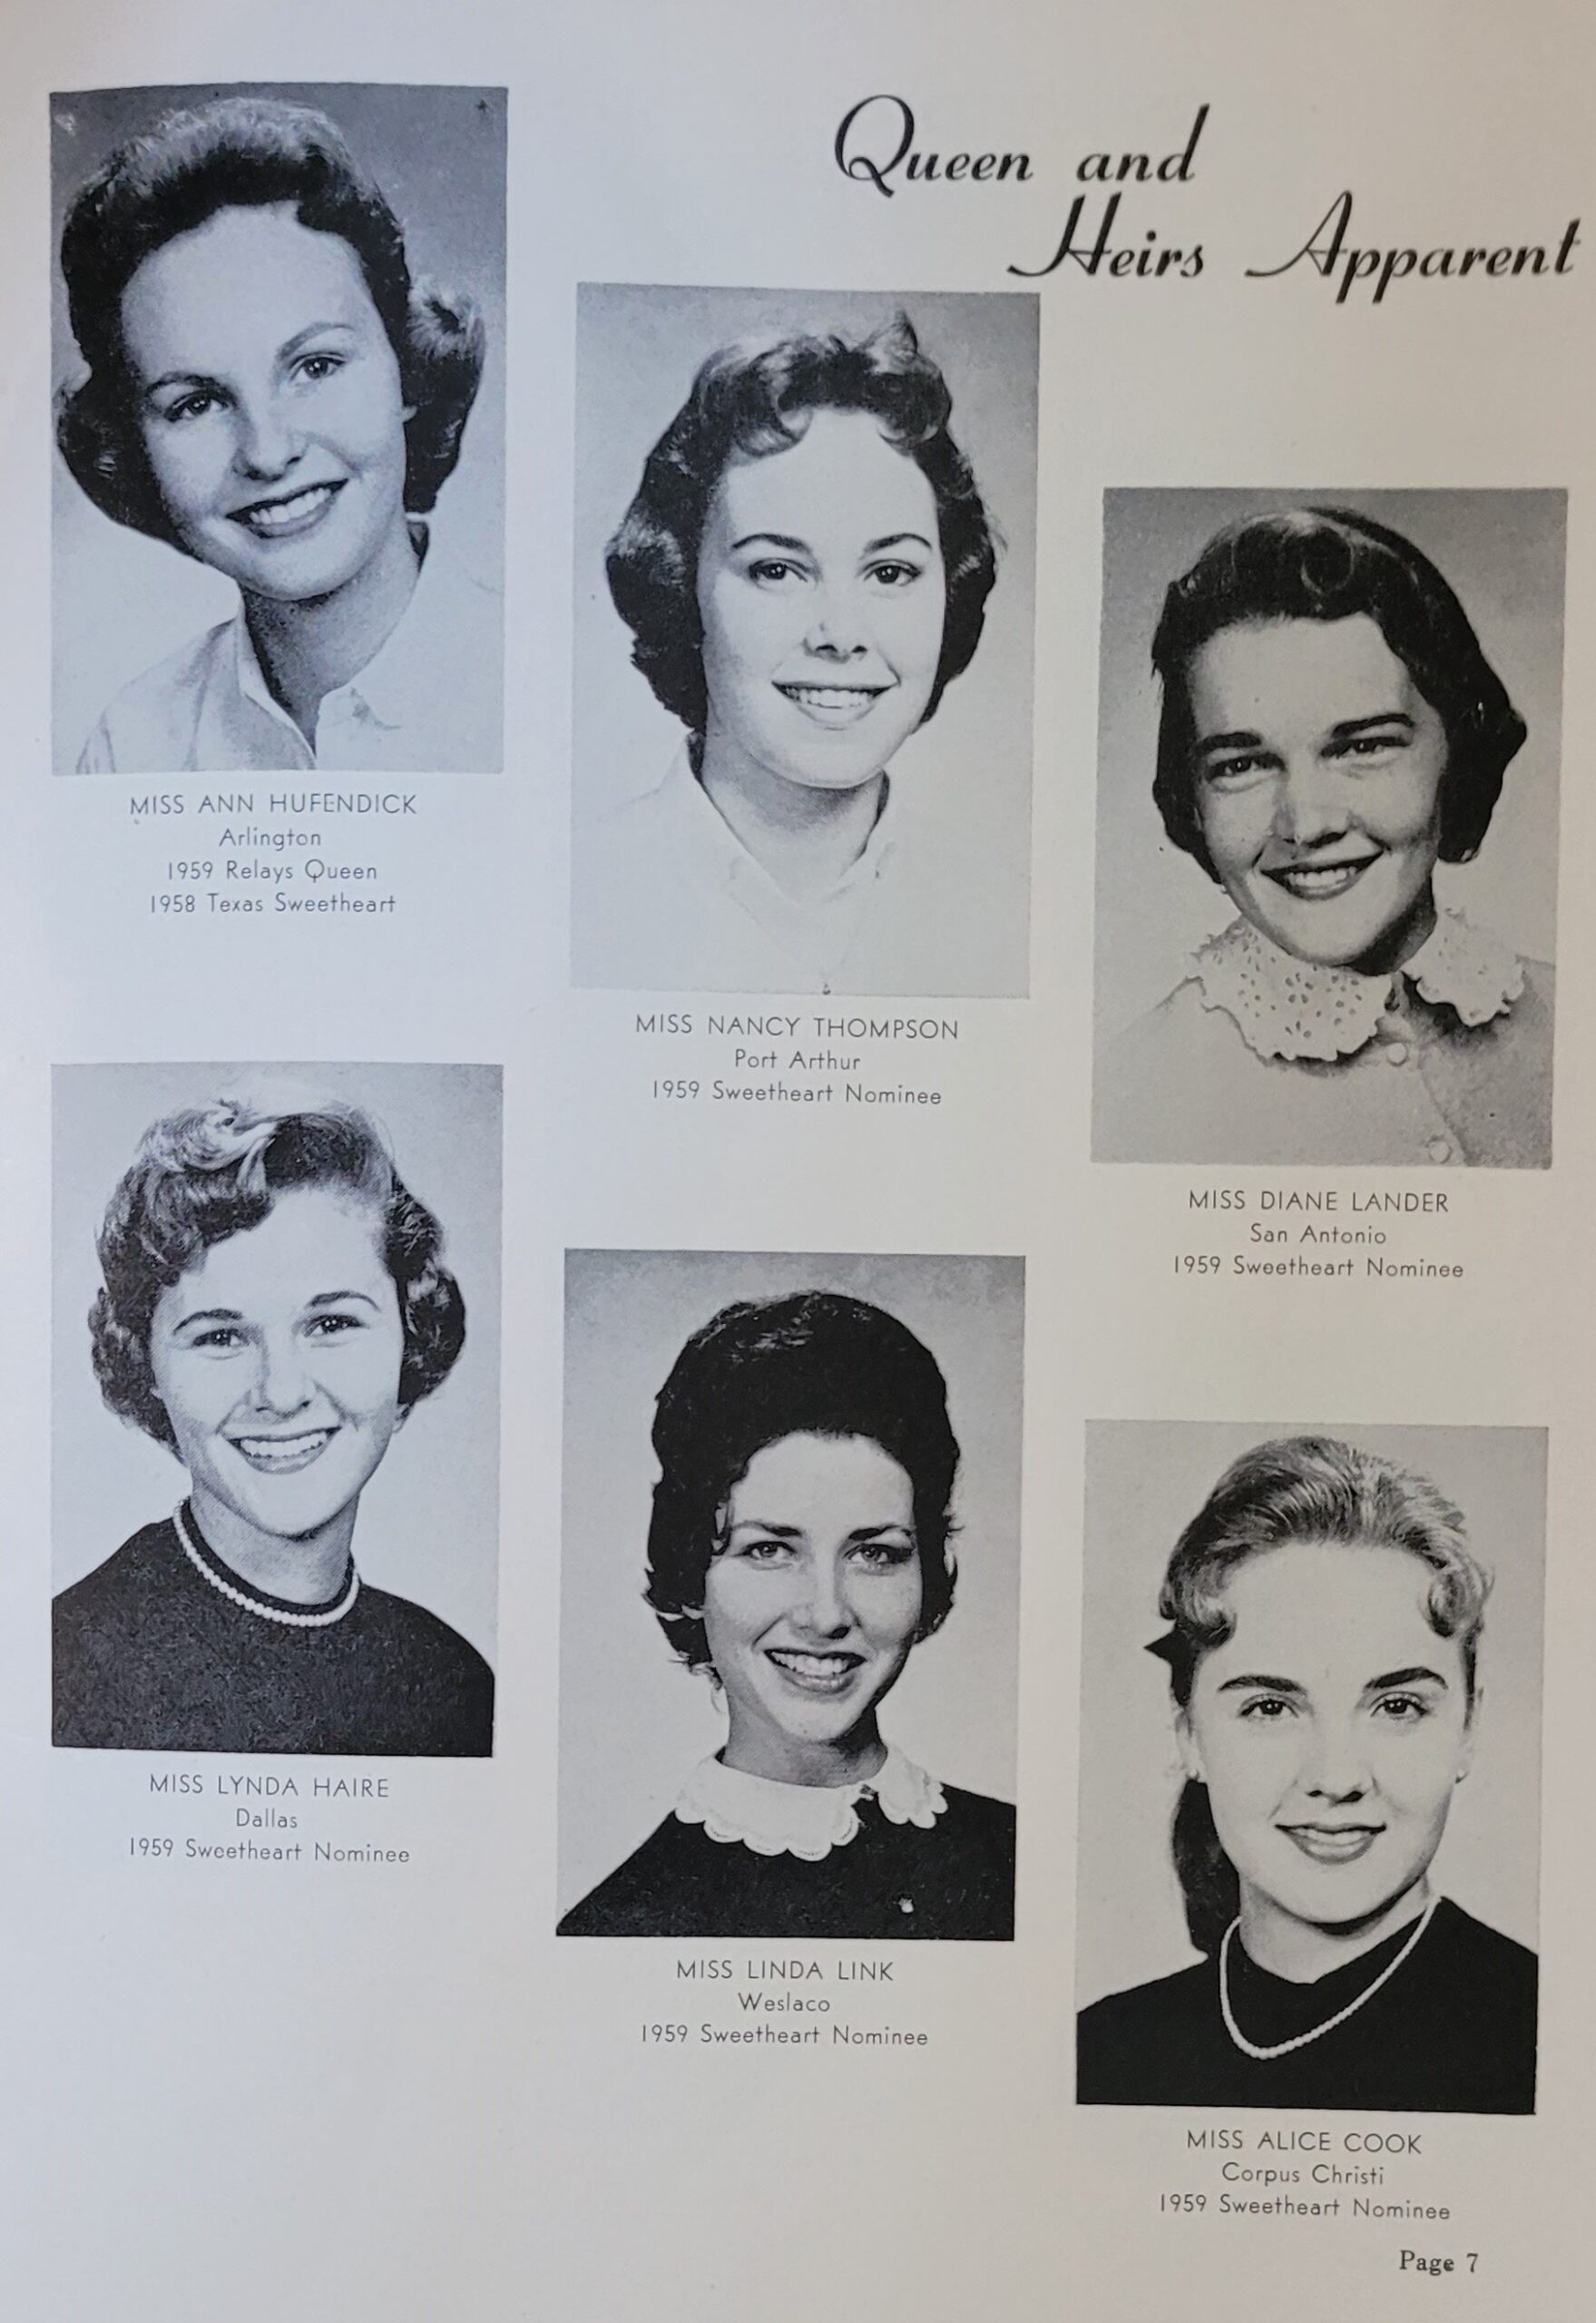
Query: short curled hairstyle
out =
(1327, 564)
(211, 1171)
(747, 404)
(815, 1364)
(1299, 1488)
(242, 152)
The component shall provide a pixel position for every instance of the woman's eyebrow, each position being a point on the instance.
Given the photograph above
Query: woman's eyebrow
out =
(776, 540)
(1243, 739)
(1417, 1676)
(891, 540)
(337, 1297)
(874, 1531)
(209, 1315)
(311, 330)
(1346, 726)
(180, 379)
(1255, 1677)
(777, 1531)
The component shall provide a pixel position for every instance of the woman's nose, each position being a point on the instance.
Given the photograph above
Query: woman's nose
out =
(281, 1382)
(266, 444)
(1335, 1769)
(1311, 803)
(826, 1612)
(835, 625)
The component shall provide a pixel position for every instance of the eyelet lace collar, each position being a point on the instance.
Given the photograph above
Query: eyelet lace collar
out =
(798, 1818)
(1300, 1009)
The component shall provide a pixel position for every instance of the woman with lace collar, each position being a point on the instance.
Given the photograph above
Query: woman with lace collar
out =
(1325, 1620)
(1331, 731)
(799, 1549)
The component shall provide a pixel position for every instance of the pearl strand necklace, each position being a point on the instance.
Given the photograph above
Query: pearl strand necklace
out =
(252, 1604)
(1283, 2048)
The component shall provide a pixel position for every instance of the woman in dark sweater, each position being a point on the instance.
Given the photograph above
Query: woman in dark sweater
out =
(799, 1551)
(1326, 1617)
(275, 1306)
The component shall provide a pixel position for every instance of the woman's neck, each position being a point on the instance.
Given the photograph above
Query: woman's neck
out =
(805, 839)
(306, 1570)
(308, 648)
(777, 1757)
(1301, 1952)
(1398, 944)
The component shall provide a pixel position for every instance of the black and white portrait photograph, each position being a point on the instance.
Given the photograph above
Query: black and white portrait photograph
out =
(277, 363)
(804, 601)
(1310, 1737)
(789, 1596)
(1329, 749)
(276, 1388)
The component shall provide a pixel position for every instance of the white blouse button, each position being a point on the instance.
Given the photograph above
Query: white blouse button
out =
(1397, 1053)
(1439, 1149)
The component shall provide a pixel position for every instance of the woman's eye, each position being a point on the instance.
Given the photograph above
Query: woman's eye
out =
(1401, 1710)
(220, 1338)
(766, 1551)
(194, 407)
(1366, 746)
(895, 575)
(1267, 1710)
(1234, 773)
(320, 367)
(328, 1327)
(884, 1556)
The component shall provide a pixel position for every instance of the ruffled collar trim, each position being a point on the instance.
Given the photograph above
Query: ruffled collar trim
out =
(1300, 1009)
(801, 1818)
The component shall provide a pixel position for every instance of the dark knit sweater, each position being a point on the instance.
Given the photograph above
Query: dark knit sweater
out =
(953, 1882)
(148, 1656)
(1454, 2031)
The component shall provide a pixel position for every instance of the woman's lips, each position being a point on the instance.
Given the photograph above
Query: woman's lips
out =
(1317, 882)
(814, 1673)
(833, 705)
(282, 1456)
(286, 518)
(1333, 1843)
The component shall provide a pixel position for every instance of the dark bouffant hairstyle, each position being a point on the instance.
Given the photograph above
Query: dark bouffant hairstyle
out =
(237, 153)
(815, 1364)
(212, 1171)
(1325, 564)
(746, 405)
(1299, 1488)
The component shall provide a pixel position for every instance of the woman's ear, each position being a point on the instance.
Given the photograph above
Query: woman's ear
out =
(1186, 1743)
(1465, 1757)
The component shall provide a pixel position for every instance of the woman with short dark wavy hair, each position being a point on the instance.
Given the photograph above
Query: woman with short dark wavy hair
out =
(1332, 733)
(274, 1306)
(800, 1548)
(270, 391)
(805, 569)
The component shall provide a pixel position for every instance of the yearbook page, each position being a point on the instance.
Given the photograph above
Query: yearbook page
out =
(798, 1161)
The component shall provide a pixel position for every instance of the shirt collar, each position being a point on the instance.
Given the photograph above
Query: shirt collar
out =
(798, 1818)
(1302, 1010)
(399, 682)
(688, 798)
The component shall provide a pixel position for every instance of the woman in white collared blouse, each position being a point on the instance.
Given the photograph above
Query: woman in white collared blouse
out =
(1331, 730)
(805, 569)
(271, 394)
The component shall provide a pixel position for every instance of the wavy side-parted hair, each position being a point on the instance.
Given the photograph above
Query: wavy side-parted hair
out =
(1296, 1489)
(1327, 564)
(748, 404)
(242, 152)
(211, 1171)
(813, 1364)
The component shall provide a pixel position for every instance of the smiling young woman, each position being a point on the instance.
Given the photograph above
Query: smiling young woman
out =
(799, 1550)
(1331, 734)
(805, 569)
(274, 1306)
(293, 439)
(1326, 1617)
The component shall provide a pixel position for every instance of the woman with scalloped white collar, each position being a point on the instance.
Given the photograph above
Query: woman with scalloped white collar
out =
(1331, 730)
(799, 1551)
